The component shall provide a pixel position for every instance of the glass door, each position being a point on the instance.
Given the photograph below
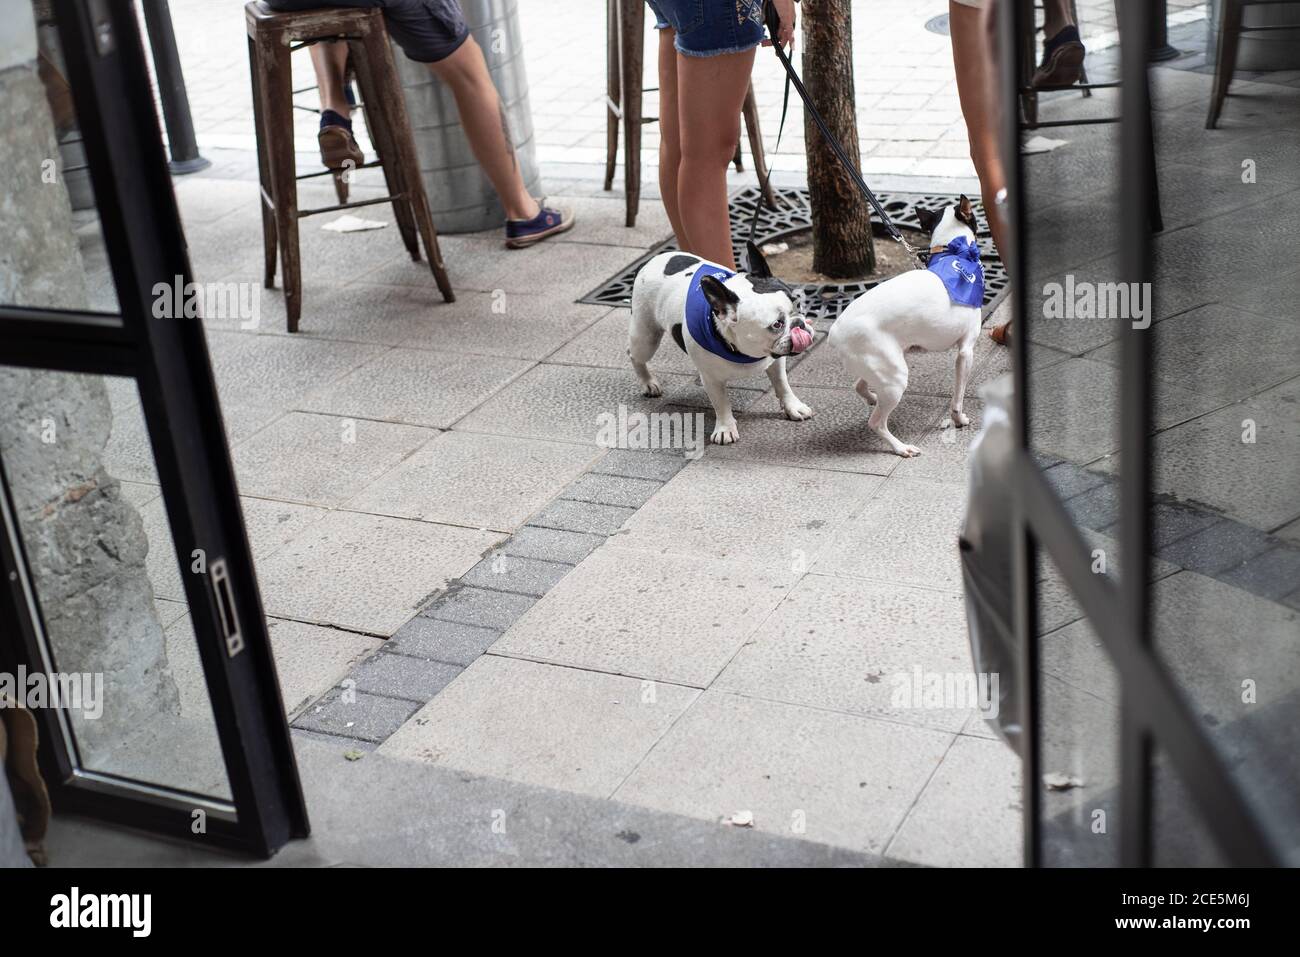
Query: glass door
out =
(1153, 537)
(132, 626)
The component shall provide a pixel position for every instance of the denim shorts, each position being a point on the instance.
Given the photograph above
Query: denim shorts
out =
(426, 30)
(711, 27)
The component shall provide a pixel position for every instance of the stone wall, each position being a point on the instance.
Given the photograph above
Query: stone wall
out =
(85, 543)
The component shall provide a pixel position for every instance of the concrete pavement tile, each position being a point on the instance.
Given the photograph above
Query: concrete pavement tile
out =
(835, 438)
(781, 517)
(906, 534)
(551, 544)
(479, 606)
(399, 676)
(574, 730)
(368, 717)
(1273, 574)
(586, 517)
(366, 572)
(1077, 409)
(515, 325)
(1206, 461)
(853, 645)
(448, 641)
(669, 618)
(604, 221)
(309, 660)
(321, 459)
(416, 387)
(612, 490)
(836, 778)
(525, 576)
(277, 372)
(477, 480)
(646, 465)
(1220, 350)
(960, 823)
(575, 403)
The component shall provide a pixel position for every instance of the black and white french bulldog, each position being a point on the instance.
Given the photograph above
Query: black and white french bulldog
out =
(730, 324)
(931, 309)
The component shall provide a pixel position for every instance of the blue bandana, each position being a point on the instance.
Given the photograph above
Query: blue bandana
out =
(699, 316)
(958, 268)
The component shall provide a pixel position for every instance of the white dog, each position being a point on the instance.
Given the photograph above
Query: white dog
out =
(931, 309)
(730, 324)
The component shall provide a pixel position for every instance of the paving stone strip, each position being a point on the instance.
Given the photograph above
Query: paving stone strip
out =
(1193, 538)
(459, 623)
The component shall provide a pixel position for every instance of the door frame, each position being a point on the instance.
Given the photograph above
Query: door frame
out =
(168, 358)
(1153, 709)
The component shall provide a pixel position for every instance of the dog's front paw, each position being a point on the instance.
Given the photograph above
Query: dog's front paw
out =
(724, 433)
(960, 419)
(796, 410)
(653, 389)
(907, 451)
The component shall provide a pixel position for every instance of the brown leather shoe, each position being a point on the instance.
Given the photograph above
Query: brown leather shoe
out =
(338, 148)
(1001, 334)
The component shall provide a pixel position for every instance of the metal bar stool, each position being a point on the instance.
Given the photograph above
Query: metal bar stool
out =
(272, 38)
(1230, 31)
(1029, 102)
(625, 64)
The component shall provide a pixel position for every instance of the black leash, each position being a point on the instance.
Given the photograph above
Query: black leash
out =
(773, 21)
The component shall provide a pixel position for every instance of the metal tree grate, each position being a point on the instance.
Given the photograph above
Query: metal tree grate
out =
(818, 301)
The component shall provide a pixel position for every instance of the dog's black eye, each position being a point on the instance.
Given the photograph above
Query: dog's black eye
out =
(779, 324)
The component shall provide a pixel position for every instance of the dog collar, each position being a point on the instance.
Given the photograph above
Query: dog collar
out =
(699, 316)
(959, 269)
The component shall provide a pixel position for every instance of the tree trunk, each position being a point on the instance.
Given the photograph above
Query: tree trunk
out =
(842, 246)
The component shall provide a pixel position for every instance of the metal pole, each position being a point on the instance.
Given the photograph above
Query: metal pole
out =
(1160, 48)
(171, 89)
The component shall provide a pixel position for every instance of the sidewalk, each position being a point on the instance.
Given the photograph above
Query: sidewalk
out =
(458, 575)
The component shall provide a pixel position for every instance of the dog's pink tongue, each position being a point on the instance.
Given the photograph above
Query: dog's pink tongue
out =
(800, 339)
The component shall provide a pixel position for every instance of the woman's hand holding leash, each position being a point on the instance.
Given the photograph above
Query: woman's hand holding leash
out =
(785, 35)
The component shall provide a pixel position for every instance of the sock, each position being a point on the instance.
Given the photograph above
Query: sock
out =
(330, 118)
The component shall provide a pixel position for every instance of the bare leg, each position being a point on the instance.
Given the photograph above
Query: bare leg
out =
(670, 143)
(1056, 17)
(711, 91)
(330, 60)
(484, 120)
(972, 57)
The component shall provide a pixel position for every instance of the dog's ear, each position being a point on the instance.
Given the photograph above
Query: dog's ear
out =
(758, 267)
(927, 218)
(966, 213)
(722, 299)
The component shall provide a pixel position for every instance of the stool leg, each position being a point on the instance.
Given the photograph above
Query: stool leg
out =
(381, 93)
(750, 112)
(612, 91)
(265, 190)
(399, 156)
(276, 80)
(633, 42)
(1226, 62)
(1028, 53)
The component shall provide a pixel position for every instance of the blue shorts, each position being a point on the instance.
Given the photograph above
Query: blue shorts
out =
(710, 27)
(426, 30)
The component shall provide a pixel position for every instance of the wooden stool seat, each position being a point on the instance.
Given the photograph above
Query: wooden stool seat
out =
(272, 37)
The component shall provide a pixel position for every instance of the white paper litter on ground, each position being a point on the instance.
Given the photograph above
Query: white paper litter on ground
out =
(352, 224)
(774, 249)
(1040, 144)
